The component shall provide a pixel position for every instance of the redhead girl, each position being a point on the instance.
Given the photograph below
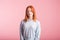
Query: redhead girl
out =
(30, 27)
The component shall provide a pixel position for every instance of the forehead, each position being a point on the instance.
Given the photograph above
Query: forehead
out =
(29, 9)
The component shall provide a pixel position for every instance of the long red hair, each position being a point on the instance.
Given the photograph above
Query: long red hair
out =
(33, 10)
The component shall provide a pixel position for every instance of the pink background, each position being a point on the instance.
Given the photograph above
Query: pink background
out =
(13, 11)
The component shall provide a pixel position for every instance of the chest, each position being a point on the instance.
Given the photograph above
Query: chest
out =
(29, 26)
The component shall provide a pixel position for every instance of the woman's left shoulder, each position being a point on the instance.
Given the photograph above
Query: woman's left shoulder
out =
(37, 21)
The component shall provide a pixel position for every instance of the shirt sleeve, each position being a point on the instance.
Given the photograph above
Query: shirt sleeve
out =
(38, 31)
(21, 31)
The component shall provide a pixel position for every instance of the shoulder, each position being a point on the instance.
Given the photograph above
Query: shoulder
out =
(22, 22)
(37, 21)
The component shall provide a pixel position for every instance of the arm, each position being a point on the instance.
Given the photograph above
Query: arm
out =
(38, 31)
(21, 31)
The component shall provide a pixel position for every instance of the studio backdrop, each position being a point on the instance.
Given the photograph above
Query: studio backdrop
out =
(13, 11)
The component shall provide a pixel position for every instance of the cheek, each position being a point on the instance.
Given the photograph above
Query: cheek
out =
(31, 13)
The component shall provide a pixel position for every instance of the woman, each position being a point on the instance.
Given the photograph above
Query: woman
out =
(30, 28)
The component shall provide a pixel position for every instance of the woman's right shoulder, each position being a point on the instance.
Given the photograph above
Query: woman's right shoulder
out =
(22, 21)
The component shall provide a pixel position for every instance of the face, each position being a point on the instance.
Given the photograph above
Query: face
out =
(30, 13)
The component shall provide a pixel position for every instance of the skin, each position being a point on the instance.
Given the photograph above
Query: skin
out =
(30, 13)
